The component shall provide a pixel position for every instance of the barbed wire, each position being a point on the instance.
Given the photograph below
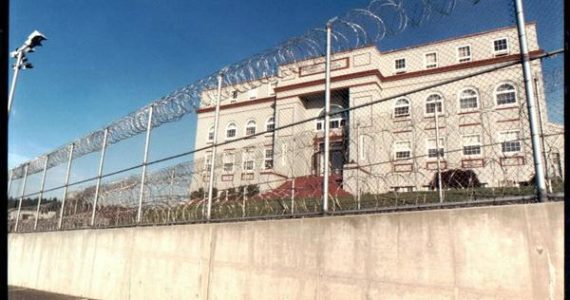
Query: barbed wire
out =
(357, 28)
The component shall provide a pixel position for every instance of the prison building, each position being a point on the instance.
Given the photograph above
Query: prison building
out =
(389, 145)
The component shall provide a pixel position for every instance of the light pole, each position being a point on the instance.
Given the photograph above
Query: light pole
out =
(34, 40)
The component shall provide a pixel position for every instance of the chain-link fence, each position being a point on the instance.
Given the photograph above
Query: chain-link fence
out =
(429, 108)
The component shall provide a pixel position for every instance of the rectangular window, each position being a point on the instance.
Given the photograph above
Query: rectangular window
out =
(431, 60)
(334, 124)
(400, 65)
(402, 150)
(432, 148)
(472, 145)
(268, 165)
(250, 130)
(401, 111)
(464, 53)
(500, 47)
(510, 141)
(431, 107)
(231, 133)
(248, 165)
(320, 124)
(228, 162)
(208, 162)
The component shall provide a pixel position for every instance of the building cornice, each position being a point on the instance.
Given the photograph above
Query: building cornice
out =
(379, 75)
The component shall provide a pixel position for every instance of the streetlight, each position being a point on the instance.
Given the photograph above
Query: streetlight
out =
(34, 39)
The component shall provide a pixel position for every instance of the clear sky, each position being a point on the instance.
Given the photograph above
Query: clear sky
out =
(105, 59)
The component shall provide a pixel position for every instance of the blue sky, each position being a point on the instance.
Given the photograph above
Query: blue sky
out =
(105, 59)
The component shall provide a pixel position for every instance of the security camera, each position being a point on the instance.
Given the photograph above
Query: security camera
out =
(35, 39)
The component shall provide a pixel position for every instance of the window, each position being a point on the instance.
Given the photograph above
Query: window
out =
(402, 150)
(510, 141)
(468, 99)
(229, 162)
(402, 108)
(211, 134)
(250, 128)
(270, 124)
(252, 94)
(268, 165)
(500, 47)
(208, 162)
(431, 60)
(231, 131)
(400, 65)
(248, 162)
(432, 148)
(505, 94)
(434, 102)
(464, 54)
(335, 120)
(472, 145)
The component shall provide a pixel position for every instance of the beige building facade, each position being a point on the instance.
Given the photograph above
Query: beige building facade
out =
(389, 145)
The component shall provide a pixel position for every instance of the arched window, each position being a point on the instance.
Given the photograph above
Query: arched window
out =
(434, 102)
(270, 124)
(250, 128)
(335, 120)
(505, 94)
(468, 99)
(402, 108)
(231, 131)
(211, 134)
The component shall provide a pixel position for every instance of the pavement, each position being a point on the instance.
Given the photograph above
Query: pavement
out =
(20, 293)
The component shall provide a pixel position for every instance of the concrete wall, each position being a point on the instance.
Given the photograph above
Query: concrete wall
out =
(507, 252)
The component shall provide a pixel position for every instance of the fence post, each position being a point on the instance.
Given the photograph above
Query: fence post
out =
(244, 200)
(542, 137)
(41, 193)
(440, 184)
(99, 174)
(293, 196)
(67, 173)
(535, 134)
(214, 148)
(358, 150)
(327, 117)
(21, 197)
(145, 160)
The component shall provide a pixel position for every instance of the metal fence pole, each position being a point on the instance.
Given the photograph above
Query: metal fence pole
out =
(293, 195)
(244, 200)
(327, 118)
(358, 150)
(67, 173)
(542, 137)
(214, 148)
(440, 184)
(41, 193)
(535, 134)
(99, 174)
(21, 197)
(145, 160)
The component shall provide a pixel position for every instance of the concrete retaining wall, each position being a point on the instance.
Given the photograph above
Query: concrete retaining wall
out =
(509, 252)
